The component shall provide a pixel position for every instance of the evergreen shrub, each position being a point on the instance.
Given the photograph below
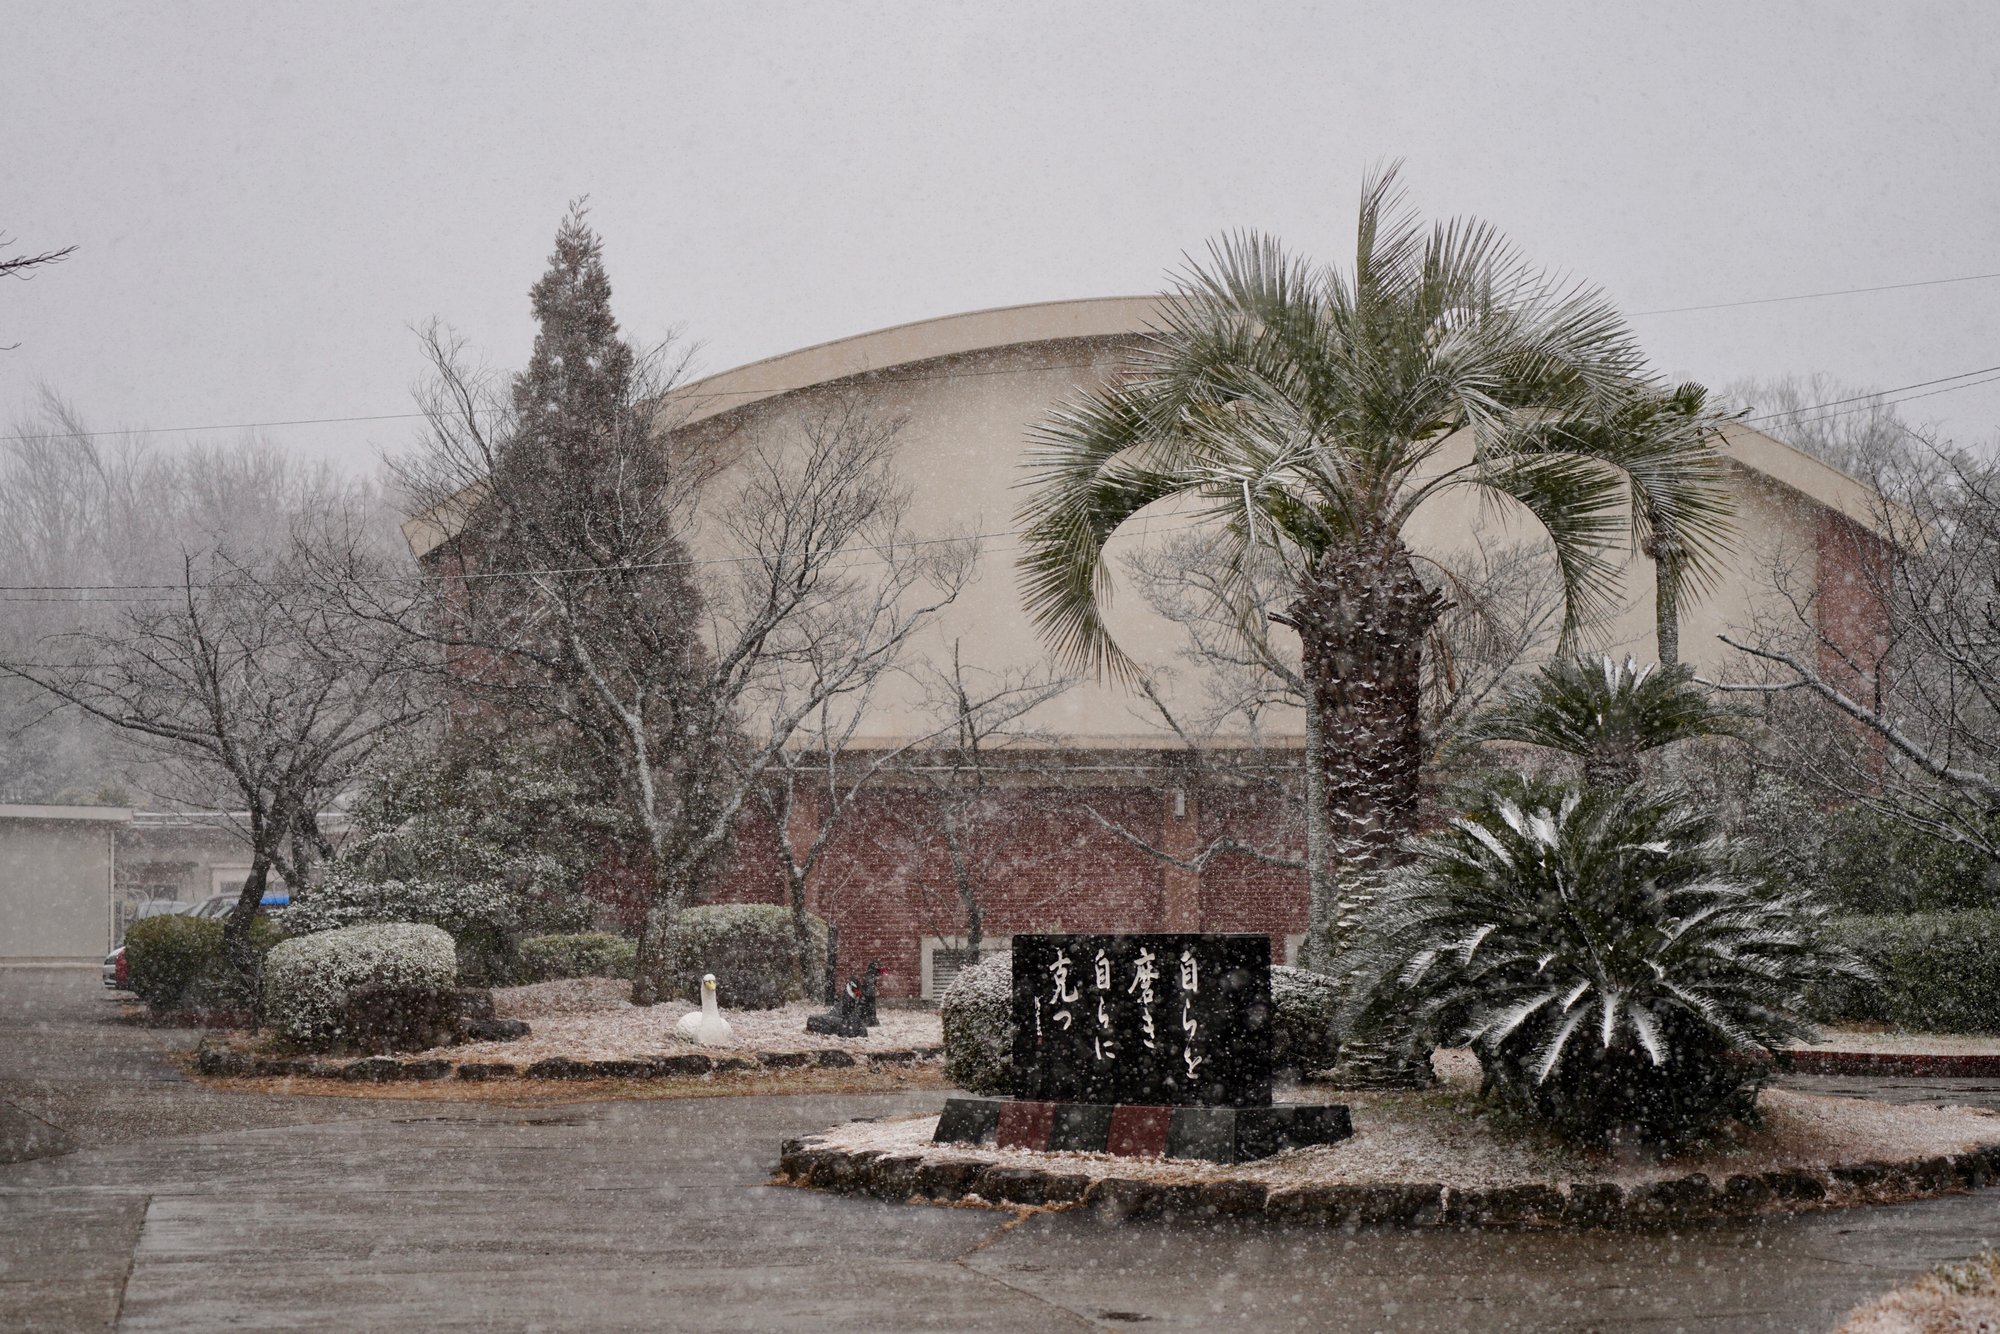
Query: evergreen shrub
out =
(307, 980)
(1933, 972)
(172, 961)
(978, 1017)
(751, 950)
(1616, 979)
(384, 1017)
(581, 954)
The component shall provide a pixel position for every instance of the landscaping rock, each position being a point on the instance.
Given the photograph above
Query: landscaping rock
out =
(622, 1070)
(220, 1061)
(891, 1057)
(1593, 1202)
(431, 1069)
(1794, 1184)
(682, 1065)
(785, 1060)
(559, 1067)
(489, 1029)
(480, 1070)
(372, 1070)
(895, 1178)
(833, 1059)
(946, 1181)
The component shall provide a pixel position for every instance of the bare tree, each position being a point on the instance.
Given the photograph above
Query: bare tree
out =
(249, 683)
(835, 658)
(1895, 642)
(980, 744)
(23, 267)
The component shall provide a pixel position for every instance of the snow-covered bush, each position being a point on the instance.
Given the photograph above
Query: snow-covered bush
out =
(307, 980)
(1305, 1009)
(978, 1016)
(580, 954)
(1615, 979)
(751, 949)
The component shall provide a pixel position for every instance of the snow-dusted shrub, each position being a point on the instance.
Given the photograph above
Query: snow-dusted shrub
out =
(307, 980)
(172, 960)
(581, 954)
(1305, 1010)
(751, 950)
(1615, 979)
(978, 1016)
(346, 899)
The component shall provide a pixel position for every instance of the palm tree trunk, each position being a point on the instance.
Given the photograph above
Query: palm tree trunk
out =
(1362, 615)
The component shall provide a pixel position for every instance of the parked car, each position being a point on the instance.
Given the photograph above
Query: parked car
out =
(215, 905)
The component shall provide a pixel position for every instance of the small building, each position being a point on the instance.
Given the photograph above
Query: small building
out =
(57, 867)
(73, 878)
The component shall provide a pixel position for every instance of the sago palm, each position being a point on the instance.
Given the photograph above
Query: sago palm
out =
(1314, 412)
(1607, 714)
(1595, 948)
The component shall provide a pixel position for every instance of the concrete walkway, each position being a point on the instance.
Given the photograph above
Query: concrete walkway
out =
(179, 1207)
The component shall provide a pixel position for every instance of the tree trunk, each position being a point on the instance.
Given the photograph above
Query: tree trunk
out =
(663, 913)
(239, 952)
(1664, 548)
(1362, 615)
(795, 898)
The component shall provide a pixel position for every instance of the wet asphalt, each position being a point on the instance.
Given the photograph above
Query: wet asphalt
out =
(150, 1202)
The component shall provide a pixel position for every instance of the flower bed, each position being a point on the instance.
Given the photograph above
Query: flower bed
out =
(1432, 1159)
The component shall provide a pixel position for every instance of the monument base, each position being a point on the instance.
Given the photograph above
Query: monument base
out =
(1214, 1134)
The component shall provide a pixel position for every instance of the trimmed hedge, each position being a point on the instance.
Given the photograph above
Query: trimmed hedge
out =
(174, 962)
(750, 949)
(583, 954)
(978, 1018)
(171, 960)
(1934, 972)
(307, 980)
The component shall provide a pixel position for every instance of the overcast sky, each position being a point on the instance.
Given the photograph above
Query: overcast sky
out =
(266, 196)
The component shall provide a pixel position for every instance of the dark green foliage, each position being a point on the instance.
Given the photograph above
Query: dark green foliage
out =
(751, 950)
(583, 954)
(977, 1014)
(1932, 972)
(171, 960)
(1305, 1010)
(175, 962)
(386, 1016)
(1615, 979)
(1872, 863)
(1607, 714)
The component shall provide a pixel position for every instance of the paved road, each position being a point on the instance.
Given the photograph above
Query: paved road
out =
(164, 1205)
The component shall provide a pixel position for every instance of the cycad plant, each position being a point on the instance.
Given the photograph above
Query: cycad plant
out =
(1607, 714)
(1311, 413)
(1615, 979)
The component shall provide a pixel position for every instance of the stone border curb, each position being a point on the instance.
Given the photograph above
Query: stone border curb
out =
(222, 1061)
(909, 1178)
(1919, 1065)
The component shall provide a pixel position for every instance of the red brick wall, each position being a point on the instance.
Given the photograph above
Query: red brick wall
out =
(1851, 565)
(1047, 864)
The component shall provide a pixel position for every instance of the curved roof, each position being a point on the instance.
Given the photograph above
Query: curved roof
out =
(918, 341)
(880, 350)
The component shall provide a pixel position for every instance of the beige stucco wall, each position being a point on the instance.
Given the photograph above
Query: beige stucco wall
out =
(966, 418)
(968, 389)
(55, 882)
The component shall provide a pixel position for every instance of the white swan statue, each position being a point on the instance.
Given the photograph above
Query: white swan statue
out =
(707, 1028)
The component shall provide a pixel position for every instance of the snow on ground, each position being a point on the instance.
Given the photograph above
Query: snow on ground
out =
(1955, 1297)
(1896, 1041)
(590, 1019)
(1441, 1136)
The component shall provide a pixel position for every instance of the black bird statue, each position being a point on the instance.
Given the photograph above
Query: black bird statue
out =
(868, 1015)
(844, 1020)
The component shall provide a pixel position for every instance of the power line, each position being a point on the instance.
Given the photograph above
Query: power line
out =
(1815, 296)
(905, 379)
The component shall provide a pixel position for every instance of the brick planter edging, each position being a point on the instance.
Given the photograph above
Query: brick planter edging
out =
(908, 1177)
(224, 1061)
(1910, 1064)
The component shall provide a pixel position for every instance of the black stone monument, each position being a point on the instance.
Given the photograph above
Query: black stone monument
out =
(1143, 1044)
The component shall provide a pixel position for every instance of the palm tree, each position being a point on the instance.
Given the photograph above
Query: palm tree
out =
(1607, 714)
(1311, 413)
